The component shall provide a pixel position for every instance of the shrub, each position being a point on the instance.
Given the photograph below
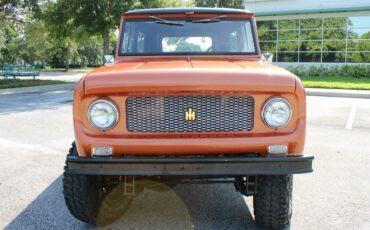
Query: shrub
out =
(357, 71)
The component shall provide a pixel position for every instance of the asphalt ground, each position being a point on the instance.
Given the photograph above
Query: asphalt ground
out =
(36, 132)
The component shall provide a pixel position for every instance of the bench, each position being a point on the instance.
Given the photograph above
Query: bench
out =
(20, 71)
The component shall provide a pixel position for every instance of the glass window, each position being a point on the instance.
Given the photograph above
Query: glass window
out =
(310, 46)
(359, 21)
(358, 45)
(140, 42)
(339, 23)
(187, 37)
(288, 35)
(311, 34)
(267, 25)
(318, 39)
(333, 57)
(361, 32)
(352, 34)
(288, 57)
(268, 46)
(186, 44)
(267, 35)
(288, 46)
(358, 57)
(288, 24)
(310, 56)
(334, 45)
(331, 34)
(311, 23)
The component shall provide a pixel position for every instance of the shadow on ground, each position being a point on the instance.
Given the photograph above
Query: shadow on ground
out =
(184, 207)
(26, 102)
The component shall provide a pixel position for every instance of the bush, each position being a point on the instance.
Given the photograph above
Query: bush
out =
(357, 71)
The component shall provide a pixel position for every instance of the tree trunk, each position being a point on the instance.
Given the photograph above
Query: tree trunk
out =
(106, 50)
(67, 61)
(43, 61)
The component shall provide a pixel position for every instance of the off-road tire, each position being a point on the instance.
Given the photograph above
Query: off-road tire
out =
(85, 200)
(273, 201)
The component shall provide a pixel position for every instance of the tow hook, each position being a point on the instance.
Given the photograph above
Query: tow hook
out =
(246, 185)
(129, 185)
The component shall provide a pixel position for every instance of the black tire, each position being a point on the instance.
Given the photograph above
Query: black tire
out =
(93, 199)
(273, 201)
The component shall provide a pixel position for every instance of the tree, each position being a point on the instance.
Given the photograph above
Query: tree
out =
(362, 48)
(220, 3)
(63, 33)
(103, 17)
(13, 14)
(13, 10)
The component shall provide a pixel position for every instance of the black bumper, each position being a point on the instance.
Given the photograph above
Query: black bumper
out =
(189, 166)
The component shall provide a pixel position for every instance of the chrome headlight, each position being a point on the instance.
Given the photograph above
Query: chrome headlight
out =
(277, 113)
(103, 115)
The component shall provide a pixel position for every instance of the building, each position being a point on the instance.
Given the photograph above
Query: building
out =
(314, 32)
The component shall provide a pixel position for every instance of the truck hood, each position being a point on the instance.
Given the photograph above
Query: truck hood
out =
(189, 75)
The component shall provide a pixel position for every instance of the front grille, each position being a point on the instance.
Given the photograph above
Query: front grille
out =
(168, 114)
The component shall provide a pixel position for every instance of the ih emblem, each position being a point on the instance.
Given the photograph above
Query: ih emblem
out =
(190, 115)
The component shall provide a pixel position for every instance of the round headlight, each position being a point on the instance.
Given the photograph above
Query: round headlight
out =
(277, 113)
(103, 114)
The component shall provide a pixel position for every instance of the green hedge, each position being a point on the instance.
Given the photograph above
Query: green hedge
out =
(357, 71)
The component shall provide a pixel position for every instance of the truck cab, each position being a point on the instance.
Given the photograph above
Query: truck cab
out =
(188, 98)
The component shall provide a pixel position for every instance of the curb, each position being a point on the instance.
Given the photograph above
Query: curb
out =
(338, 93)
(42, 88)
(309, 91)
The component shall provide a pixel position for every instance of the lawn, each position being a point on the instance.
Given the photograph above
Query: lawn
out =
(78, 70)
(308, 82)
(10, 83)
(336, 82)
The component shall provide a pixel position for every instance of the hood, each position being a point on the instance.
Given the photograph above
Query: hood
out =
(189, 75)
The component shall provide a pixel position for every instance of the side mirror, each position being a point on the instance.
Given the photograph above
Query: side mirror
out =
(108, 59)
(267, 58)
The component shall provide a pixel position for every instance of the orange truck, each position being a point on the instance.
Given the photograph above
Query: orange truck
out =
(188, 98)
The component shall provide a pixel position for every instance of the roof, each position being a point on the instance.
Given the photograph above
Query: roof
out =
(190, 9)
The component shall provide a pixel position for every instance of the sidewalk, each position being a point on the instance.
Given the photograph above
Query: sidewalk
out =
(61, 76)
(74, 77)
(338, 93)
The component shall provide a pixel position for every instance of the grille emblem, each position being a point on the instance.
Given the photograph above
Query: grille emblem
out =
(190, 115)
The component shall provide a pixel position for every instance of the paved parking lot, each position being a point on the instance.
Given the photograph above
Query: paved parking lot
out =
(36, 131)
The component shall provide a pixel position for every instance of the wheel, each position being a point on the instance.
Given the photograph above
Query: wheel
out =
(273, 201)
(95, 200)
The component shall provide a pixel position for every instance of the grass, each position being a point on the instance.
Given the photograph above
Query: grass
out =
(10, 83)
(79, 70)
(308, 82)
(336, 82)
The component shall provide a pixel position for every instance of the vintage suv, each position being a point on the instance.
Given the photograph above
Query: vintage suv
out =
(189, 98)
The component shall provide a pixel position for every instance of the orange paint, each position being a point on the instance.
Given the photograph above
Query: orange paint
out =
(189, 76)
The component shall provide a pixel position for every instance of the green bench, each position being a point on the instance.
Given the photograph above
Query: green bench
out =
(20, 71)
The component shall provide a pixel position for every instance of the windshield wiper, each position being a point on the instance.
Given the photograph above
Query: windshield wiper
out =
(164, 21)
(210, 20)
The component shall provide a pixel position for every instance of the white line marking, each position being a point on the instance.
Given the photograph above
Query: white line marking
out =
(351, 117)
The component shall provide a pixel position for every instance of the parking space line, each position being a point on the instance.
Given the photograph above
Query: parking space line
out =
(351, 117)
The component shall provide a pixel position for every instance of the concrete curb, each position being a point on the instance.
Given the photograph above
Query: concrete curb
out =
(43, 88)
(338, 93)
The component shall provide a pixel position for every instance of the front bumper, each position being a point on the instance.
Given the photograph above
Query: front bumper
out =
(222, 166)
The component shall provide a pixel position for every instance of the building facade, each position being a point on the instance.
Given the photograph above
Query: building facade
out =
(314, 32)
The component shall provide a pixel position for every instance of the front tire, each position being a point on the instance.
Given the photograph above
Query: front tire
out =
(95, 200)
(273, 201)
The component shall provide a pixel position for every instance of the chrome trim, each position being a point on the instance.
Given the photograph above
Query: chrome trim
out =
(269, 101)
(115, 113)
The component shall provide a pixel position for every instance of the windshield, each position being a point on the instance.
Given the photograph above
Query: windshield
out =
(157, 36)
